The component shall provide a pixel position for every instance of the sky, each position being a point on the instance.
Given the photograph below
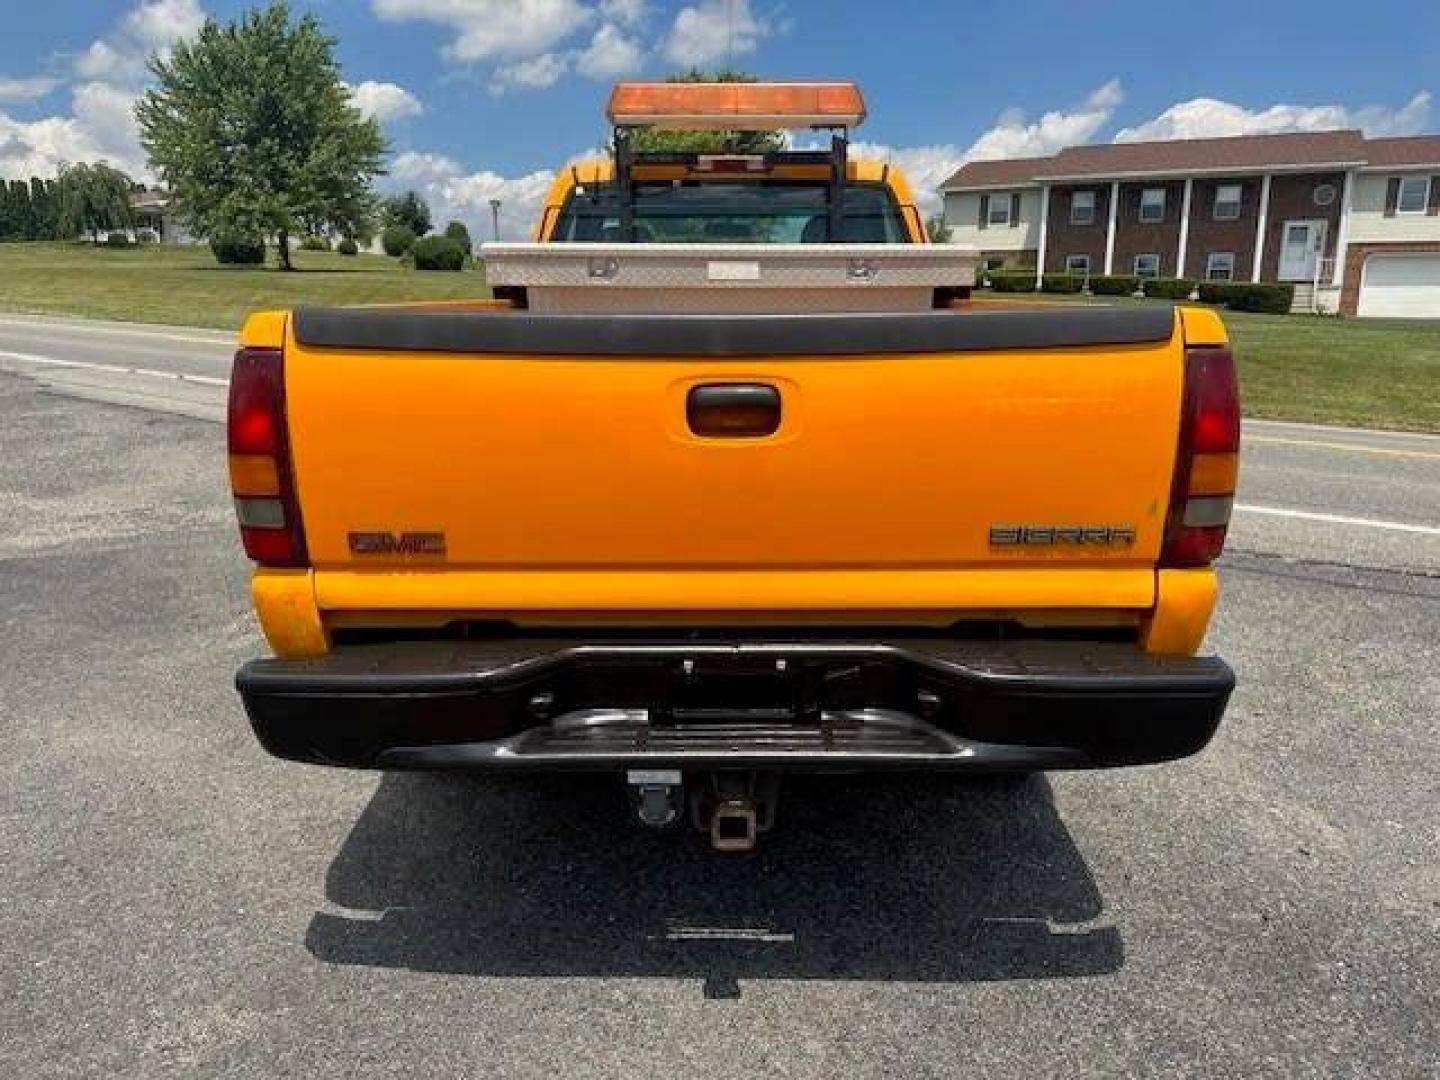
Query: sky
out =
(484, 99)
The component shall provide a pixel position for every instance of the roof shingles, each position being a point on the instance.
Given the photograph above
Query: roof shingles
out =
(1181, 156)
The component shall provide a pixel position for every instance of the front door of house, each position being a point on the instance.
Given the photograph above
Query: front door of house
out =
(1300, 245)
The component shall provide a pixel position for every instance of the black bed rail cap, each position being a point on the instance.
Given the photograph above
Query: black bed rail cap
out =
(730, 335)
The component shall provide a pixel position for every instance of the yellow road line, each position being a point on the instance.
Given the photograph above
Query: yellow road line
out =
(1383, 450)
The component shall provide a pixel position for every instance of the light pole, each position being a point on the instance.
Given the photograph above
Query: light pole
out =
(495, 217)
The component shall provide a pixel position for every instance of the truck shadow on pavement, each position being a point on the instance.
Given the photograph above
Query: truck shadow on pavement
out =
(913, 878)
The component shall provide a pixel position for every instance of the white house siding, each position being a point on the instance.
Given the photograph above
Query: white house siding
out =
(962, 214)
(1368, 223)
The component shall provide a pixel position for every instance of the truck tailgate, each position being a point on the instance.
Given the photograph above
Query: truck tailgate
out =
(555, 445)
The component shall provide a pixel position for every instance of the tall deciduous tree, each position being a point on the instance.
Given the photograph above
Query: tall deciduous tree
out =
(409, 210)
(85, 200)
(254, 132)
(666, 140)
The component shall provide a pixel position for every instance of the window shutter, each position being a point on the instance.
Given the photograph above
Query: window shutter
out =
(1434, 208)
(1392, 196)
(1015, 209)
(984, 211)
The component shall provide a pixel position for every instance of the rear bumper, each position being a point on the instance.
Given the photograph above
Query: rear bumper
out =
(545, 705)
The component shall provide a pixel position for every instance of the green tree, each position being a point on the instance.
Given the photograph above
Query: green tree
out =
(409, 210)
(254, 132)
(44, 203)
(666, 140)
(21, 219)
(938, 231)
(12, 217)
(91, 199)
(457, 231)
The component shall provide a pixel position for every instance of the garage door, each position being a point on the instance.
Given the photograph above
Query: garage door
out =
(1401, 287)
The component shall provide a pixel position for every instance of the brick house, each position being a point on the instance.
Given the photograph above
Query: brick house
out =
(1353, 222)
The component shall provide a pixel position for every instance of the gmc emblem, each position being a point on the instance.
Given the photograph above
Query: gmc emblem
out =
(406, 543)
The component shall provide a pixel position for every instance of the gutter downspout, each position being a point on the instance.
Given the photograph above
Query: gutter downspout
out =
(1260, 227)
(1110, 228)
(1044, 235)
(1184, 230)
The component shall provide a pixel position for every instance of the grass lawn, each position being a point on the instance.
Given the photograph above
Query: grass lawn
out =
(184, 286)
(1382, 373)
(1365, 372)
(1373, 373)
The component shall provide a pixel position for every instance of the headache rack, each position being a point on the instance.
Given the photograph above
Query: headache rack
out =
(832, 107)
(619, 274)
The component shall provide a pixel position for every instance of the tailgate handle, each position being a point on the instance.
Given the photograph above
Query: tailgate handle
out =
(733, 410)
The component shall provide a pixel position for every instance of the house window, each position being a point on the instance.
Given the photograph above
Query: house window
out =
(1147, 266)
(1227, 202)
(1082, 208)
(1414, 195)
(1152, 204)
(994, 263)
(1077, 265)
(1220, 266)
(999, 212)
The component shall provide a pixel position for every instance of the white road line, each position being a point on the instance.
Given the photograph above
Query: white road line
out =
(1339, 519)
(1338, 429)
(113, 369)
(1355, 448)
(221, 337)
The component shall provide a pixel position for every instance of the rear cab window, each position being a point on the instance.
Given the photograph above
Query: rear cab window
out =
(738, 212)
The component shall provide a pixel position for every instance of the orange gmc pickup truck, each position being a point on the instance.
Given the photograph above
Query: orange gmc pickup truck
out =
(733, 478)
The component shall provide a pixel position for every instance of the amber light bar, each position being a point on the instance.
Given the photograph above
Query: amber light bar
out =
(736, 106)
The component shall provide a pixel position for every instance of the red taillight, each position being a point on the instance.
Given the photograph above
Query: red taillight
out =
(260, 475)
(1206, 465)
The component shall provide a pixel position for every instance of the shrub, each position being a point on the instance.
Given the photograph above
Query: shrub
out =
(438, 253)
(397, 240)
(457, 231)
(1273, 299)
(315, 243)
(117, 240)
(238, 250)
(146, 236)
(1169, 288)
(1114, 284)
(348, 247)
(1062, 283)
(1012, 282)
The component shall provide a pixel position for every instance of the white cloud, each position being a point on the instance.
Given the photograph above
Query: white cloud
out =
(454, 194)
(110, 74)
(624, 12)
(609, 54)
(113, 63)
(151, 26)
(1015, 136)
(491, 29)
(714, 31)
(157, 23)
(385, 101)
(25, 88)
(38, 147)
(536, 73)
(925, 167)
(1209, 117)
(107, 114)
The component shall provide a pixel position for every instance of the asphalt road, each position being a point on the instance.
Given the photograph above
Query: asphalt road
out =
(176, 903)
